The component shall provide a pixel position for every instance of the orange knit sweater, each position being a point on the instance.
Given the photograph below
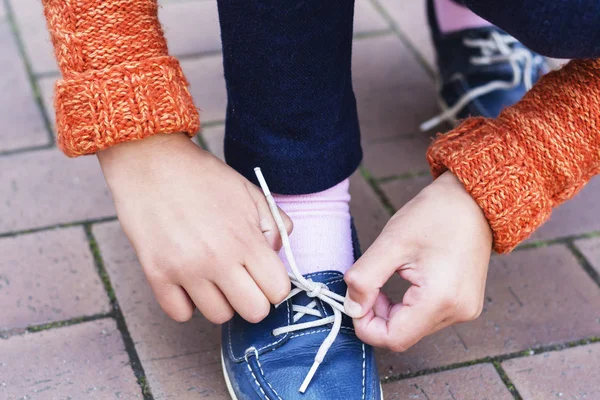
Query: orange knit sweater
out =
(534, 156)
(120, 84)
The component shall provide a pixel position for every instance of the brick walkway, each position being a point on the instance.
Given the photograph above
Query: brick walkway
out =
(78, 321)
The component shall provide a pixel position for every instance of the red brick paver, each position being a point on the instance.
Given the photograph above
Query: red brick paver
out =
(591, 250)
(478, 382)
(572, 374)
(29, 16)
(48, 276)
(191, 27)
(22, 122)
(76, 362)
(575, 217)
(44, 188)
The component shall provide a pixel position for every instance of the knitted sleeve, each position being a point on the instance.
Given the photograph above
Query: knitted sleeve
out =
(534, 156)
(118, 81)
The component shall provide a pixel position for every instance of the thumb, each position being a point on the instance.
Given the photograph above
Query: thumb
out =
(365, 279)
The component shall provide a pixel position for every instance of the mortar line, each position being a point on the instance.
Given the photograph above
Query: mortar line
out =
(507, 381)
(491, 359)
(35, 88)
(583, 261)
(9, 333)
(134, 358)
(385, 201)
(57, 226)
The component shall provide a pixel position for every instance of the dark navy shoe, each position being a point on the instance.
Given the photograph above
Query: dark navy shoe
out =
(481, 71)
(272, 359)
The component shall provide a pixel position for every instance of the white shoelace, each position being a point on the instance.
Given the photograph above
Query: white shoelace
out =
(314, 290)
(495, 49)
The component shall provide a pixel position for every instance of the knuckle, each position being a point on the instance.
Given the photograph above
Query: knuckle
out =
(220, 318)
(398, 347)
(448, 300)
(181, 315)
(282, 294)
(470, 312)
(353, 279)
(258, 314)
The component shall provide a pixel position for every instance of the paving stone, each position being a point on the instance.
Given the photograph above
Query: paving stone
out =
(397, 156)
(213, 138)
(591, 250)
(401, 191)
(84, 361)
(477, 382)
(411, 19)
(575, 217)
(181, 361)
(48, 276)
(394, 93)
(29, 16)
(370, 216)
(207, 86)
(367, 18)
(45, 188)
(535, 297)
(568, 374)
(191, 27)
(23, 125)
(46, 86)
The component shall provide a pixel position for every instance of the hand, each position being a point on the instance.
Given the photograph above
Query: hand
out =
(441, 243)
(204, 234)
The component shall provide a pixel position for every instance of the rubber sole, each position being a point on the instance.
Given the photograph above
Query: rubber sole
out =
(230, 388)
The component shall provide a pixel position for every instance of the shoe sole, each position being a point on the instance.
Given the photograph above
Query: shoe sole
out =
(230, 388)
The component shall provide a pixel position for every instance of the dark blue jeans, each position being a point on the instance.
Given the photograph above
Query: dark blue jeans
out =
(291, 108)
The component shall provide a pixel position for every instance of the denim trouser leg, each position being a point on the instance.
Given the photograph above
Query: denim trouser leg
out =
(291, 109)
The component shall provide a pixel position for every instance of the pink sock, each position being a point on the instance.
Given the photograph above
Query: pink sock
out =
(454, 17)
(322, 237)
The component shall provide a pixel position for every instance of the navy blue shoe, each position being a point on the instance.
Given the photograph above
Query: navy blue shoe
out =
(306, 347)
(481, 71)
(271, 359)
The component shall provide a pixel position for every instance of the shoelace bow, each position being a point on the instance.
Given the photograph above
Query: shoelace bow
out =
(495, 49)
(314, 290)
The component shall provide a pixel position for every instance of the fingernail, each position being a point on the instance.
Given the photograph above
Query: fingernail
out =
(353, 309)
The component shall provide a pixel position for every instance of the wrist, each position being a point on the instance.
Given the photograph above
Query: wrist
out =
(449, 189)
(145, 154)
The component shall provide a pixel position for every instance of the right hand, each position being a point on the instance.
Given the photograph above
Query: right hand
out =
(204, 234)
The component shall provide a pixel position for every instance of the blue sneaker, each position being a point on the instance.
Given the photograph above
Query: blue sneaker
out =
(481, 71)
(305, 349)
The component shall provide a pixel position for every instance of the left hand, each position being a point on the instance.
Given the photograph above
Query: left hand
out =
(441, 243)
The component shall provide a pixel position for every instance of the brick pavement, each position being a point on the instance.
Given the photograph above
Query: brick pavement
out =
(79, 322)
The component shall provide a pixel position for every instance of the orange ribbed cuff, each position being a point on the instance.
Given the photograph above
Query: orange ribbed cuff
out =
(130, 101)
(506, 185)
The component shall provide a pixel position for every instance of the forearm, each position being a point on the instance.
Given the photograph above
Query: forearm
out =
(119, 82)
(534, 156)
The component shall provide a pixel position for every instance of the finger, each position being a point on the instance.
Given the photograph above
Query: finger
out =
(399, 326)
(267, 222)
(244, 295)
(211, 302)
(173, 299)
(269, 273)
(368, 275)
